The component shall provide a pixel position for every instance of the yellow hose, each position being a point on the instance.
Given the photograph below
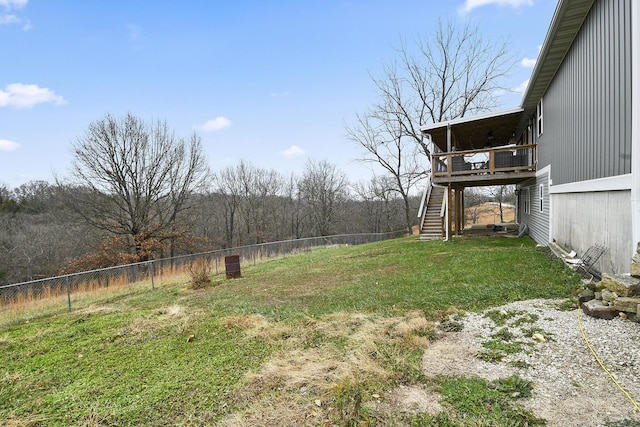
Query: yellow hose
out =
(586, 340)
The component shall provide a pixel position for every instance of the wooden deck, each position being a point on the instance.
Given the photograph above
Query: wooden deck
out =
(492, 166)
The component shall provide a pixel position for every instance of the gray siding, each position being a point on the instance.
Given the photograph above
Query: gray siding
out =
(581, 220)
(587, 107)
(538, 222)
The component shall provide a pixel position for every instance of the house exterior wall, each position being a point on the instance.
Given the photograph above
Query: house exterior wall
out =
(586, 141)
(537, 220)
(584, 219)
(587, 107)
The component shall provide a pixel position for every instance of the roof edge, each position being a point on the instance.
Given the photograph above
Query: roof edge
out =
(515, 110)
(541, 62)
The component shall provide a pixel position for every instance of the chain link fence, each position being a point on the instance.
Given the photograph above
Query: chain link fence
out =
(75, 287)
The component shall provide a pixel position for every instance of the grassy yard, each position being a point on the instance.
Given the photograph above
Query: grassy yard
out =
(310, 339)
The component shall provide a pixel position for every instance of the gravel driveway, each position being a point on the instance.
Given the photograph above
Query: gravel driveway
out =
(570, 387)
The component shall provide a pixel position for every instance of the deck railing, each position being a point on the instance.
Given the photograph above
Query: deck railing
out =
(512, 158)
(422, 211)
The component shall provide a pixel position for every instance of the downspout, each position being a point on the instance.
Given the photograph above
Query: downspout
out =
(635, 124)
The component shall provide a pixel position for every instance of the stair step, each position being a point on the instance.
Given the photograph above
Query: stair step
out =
(432, 224)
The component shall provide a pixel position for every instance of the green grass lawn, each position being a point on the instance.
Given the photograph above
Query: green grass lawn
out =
(359, 315)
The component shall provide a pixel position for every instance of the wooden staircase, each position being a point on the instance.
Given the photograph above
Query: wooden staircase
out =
(431, 227)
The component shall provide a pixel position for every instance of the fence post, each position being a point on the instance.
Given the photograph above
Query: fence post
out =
(151, 271)
(68, 292)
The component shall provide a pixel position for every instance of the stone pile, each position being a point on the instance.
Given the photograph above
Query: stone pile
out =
(614, 295)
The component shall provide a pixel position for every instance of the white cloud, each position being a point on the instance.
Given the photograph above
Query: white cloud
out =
(293, 151)
(13, 4)
(216, 124)
(9, 19)
(521, 87)
(18, 95)
(6, 145)
(528, 62)
(15, 20)
(469, 5)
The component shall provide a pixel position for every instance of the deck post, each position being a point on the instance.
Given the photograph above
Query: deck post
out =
(458, 203)
(449, 214)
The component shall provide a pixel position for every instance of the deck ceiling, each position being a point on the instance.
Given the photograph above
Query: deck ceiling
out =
(489, 130)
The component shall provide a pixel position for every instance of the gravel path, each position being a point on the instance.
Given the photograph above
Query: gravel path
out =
(570, 387)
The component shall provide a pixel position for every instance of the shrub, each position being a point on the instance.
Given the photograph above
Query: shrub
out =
(200, 272)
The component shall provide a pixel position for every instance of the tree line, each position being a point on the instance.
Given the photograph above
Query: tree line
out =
(137, 191)
(69, 226)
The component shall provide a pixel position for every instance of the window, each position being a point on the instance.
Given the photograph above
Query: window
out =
(539, 121)
(526, 202)
(541, 197)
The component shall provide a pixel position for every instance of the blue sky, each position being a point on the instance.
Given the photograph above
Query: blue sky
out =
(272, 82)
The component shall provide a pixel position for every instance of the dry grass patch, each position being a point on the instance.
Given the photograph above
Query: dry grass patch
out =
(99, 309)
(328, 368)
(258, 326)
(142, 327)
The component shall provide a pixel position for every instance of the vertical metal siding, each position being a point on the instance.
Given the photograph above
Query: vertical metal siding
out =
(537, 221)
(587, 108)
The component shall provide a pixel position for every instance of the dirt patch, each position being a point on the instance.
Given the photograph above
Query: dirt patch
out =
(348, 354)
(408, 399)
(326, 367)
(489, 213)
(455, 355)
(569, 386)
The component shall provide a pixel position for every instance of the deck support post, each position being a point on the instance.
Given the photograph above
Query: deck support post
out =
(449, 214)
(458, 206)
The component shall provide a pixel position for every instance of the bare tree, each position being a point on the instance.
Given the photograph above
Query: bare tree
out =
(132, 179)
(228, 184)
(384, 143)
(322, 188)
(475, 204)
(295, 221)
(450, 75)
(502, 194)
(382, 206)
(260, 189)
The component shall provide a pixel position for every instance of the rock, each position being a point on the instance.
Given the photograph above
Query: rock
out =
(598, 295)
(635, 263)
(598, 309)
(538, 337)
(628, 304)
(586, 295)
(624, 286)
(608, 296)
(599, 286)
(589, 284)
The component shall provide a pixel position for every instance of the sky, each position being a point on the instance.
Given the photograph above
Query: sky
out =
(271, 82)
